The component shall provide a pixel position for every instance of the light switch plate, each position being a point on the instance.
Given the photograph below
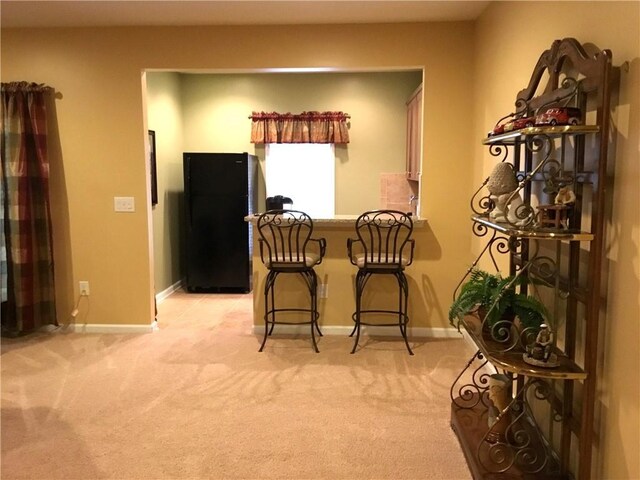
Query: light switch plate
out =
(124, 204)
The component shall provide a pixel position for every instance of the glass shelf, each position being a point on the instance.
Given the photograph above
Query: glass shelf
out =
(510, 138)
(512, 361)
(537, 233)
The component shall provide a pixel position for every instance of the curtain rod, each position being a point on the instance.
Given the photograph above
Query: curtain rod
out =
(26, 86)
(303, 114)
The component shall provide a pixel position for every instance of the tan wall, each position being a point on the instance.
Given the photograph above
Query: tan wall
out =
(98, 74)
(509, 39)
(164, 116)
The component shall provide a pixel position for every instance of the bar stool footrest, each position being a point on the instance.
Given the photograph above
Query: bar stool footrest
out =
(301, 322)
(387, 312)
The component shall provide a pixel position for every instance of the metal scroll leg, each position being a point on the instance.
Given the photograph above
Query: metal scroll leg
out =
(361, 280)
(403, 303)
(268, 308)
(312, 282)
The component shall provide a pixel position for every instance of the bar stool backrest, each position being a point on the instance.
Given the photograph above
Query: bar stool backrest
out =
(385, 236)
(284, 237)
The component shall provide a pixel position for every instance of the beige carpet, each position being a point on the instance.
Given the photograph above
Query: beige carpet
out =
(196, 400)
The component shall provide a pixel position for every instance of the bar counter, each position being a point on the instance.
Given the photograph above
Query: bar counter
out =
(337, 275)
(337, 220)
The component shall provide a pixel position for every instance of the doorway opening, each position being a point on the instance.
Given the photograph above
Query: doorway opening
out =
(208, 112)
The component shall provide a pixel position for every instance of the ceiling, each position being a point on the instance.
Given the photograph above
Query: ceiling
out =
(100, 13)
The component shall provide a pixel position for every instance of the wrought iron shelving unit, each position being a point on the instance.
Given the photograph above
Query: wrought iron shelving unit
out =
(546, 431)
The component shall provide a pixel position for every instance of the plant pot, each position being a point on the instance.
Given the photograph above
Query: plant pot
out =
(501, 330)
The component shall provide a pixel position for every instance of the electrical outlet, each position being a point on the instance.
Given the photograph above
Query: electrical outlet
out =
(84, 288)
(323, 290)
(124, 204)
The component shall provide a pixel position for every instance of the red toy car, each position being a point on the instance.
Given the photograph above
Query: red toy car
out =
(559, 116)
(497, 130)
(519, 123)
(515, 124)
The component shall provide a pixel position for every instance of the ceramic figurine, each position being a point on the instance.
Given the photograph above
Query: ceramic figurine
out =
(540, 353)
(502, 182)
(502, 186)
(565, 196)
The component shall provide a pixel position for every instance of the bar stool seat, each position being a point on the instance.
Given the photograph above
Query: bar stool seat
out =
(286, 247)
(384, 246)
(283, 261)
(360, 259)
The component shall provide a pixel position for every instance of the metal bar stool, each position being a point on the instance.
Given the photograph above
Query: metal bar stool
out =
(384, 246)
(286, 246)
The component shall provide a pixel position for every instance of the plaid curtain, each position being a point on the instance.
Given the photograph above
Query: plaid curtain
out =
(28, 293)
(306, 127)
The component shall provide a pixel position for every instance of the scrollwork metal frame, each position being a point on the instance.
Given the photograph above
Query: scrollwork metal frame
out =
(524, 214)
(539, 268)
(483, 205)
(499, 244)
(472, 393)
(519, 446)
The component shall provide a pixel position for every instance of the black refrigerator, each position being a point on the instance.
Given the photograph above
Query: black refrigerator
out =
(220, 190)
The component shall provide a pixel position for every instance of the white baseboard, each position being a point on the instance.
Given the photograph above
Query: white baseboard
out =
(416, 332)
(120, 328)
(107, 328)
(161, 296)
(117, 327)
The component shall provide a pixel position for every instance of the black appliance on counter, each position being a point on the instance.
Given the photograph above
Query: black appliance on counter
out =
(278, 202)
(220, 190)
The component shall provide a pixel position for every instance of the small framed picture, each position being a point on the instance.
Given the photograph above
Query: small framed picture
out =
(152, 167)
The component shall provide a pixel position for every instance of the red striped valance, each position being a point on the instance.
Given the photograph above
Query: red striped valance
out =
(305, 127)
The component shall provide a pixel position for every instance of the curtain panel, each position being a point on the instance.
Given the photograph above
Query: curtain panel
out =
(305, 127)
(28, 293)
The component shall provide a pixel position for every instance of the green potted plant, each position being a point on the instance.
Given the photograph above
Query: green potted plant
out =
(484, 289)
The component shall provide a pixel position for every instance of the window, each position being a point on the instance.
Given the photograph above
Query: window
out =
(304, 172)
